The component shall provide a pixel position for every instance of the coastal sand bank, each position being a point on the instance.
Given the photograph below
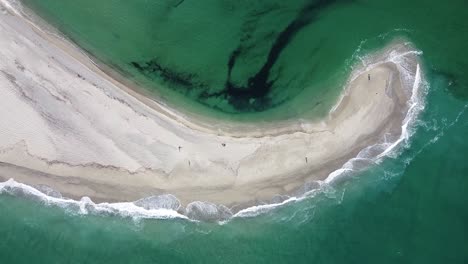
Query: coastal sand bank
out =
(68, 125)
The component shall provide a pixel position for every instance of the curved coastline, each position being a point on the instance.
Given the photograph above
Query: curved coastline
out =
(239, 169)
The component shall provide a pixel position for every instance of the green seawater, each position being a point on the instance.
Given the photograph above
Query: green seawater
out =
(410, 208)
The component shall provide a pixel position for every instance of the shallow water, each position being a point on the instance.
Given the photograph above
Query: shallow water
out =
(411, 208)
(186, 52)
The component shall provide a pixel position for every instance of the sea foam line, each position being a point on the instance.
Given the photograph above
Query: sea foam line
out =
(86, 205)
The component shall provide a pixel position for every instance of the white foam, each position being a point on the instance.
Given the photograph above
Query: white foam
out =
(261, 209)
(415, 108)
(86, 206)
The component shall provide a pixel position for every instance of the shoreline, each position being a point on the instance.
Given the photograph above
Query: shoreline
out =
(231, 128)
(86, 156)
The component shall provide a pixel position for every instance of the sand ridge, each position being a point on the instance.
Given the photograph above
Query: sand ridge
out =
(68, 125)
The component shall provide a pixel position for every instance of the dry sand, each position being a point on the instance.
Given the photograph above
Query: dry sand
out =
(67, 124)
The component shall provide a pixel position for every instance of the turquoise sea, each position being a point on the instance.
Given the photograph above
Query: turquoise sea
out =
(410, 208)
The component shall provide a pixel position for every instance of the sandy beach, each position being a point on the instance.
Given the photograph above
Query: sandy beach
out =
(67, 124)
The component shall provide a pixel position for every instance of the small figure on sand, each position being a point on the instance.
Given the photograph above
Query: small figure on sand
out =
(179, 148)
(368, 76)
(306, 160)
(223, 144)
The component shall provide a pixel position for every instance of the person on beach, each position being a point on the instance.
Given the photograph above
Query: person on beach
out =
(368, 76)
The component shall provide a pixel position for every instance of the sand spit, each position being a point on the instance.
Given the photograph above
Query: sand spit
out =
(66, 124)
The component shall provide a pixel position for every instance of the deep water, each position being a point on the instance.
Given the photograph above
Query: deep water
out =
(410, 208)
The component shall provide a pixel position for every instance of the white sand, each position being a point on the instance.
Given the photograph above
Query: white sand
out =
(66, 124)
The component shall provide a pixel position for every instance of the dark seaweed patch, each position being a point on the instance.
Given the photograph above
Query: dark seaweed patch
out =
(174, 77)
(252, 95)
